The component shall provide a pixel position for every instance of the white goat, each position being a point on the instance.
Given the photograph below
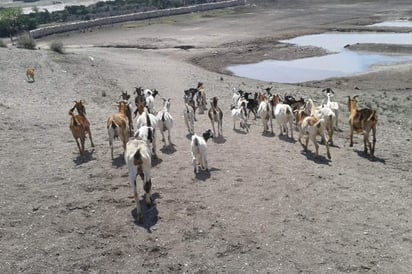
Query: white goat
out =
(189, 116)
(284, 116)
(138, 160)
(311, 127)
(240, 114)
(165, 121)
(334, 106)
(147, 119)
(199, 151)
(324, 113)
(265, 113)
(91, 60)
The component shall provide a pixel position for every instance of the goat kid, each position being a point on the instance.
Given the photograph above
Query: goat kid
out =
(199, 151)
(334, 106)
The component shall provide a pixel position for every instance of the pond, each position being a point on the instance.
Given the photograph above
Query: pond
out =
(340, 62)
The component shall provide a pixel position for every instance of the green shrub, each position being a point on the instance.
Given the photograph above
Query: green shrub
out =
(57, 47)
(26, 42)
(2, 44)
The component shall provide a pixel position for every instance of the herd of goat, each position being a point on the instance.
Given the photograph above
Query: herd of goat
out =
(310, 120)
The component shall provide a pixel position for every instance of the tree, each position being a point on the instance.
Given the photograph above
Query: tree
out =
(10, 18)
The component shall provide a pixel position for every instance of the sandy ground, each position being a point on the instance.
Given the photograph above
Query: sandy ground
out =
(266, 206)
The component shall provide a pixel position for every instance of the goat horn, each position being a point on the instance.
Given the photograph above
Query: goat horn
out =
(354, 97)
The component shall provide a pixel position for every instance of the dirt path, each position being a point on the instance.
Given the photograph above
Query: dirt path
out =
(265, 207)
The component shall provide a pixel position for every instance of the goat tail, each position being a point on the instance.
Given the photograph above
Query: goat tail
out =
(372, 117)
(137, 158)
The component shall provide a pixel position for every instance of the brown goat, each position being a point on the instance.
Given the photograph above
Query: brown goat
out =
(30, 74)
(80, 126)
(362, 121)
(117, 126)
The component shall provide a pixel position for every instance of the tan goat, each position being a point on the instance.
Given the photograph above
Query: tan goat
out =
(117, 126)
(80, 126)
(362, 121)
(30, 74)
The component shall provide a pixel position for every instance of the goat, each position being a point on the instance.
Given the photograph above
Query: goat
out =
(147, 119)
(150, 102)
(216, 115)
(201, 100)
(311, 127)
(362, 121)
(188, 115)
(91, 60)
(189, 98)
(237, 94)
(138, 160)
(284, 115)
(252, 104)
(165, 121)
(126, 98)
(265, 113)
(117, 126)
(240, 114)
(322, 113)
(334, 106)
(199, 151)
(139, 99)
(80, 126)
(30, 74)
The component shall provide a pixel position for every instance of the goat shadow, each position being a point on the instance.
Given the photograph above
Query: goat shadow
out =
(168, 149)
(366, 156)
(156, 161)
(150, 215)
(87, 157)
(317, 159)
(203, 175)
(240, 131)
(268, 134)
(219, 139)
(285, 138)
(118, 162)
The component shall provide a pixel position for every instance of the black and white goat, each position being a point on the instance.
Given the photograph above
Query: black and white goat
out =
(240, 114)
(199, 151)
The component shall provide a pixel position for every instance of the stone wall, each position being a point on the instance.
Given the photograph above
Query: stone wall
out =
(40, 32)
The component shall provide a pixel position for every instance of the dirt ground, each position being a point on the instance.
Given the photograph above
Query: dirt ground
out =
(266, 206)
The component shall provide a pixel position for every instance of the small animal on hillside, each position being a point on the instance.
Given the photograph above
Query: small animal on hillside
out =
(334, 106)
(201, 100)
(189, 98)
(80, 126)
(265, 113)
(30, 74)
(147, 119)
(284, 116)
(199, 151)
(91, 60)
(216, 116)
